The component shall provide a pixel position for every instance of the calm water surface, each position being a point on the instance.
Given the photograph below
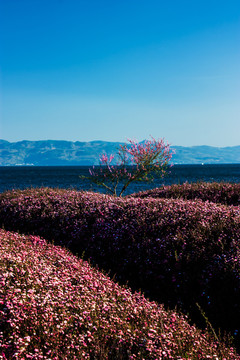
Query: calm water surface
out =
(21, 177)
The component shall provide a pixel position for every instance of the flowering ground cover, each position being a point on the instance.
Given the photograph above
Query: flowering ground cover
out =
(179, 252)
(55, 306)
(224, 193)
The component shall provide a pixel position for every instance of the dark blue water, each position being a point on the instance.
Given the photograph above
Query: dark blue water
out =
(68, 177)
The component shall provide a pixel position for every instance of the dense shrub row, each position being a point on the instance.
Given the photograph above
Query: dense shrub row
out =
(54, 306)
(224, 193)
(178, 252)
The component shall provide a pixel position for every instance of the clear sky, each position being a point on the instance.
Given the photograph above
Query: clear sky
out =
(85, 70)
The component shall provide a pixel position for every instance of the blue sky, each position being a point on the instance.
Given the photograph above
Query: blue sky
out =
(112, 70)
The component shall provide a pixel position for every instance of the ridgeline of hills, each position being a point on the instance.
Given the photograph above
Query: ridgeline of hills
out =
(56, 152)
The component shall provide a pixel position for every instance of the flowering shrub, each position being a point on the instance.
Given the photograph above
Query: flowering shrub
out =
(55, 306)
(135, 162)
(179, 252)
(224, 193)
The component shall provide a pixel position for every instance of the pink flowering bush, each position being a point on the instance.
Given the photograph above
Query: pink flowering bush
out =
(55, 306)
(135, 162)
(224, 193)
(179, 252)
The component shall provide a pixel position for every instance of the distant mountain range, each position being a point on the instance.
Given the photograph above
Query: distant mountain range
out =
(55, 152)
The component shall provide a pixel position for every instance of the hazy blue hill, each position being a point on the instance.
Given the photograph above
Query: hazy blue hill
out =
(57, 152)
(206, 154)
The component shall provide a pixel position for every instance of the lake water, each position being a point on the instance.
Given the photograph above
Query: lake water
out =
(21, 177)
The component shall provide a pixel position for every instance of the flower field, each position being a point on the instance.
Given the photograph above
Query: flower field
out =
(223, 193)
(56, 306)
(179, 245)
